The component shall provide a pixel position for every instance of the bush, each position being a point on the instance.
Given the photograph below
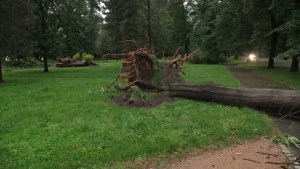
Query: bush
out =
(87, 57)
(76, 57)
(201, 58)
(84, 56)
(27, 63)
(22, 63)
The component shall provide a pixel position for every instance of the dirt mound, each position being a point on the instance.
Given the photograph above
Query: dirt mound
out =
(153, 100)
(171, 75)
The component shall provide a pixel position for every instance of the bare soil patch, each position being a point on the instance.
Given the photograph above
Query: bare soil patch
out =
(251, 154)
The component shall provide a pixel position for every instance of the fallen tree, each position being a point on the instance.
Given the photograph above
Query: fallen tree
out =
(142, 69)
(67, 62)
(273, 101)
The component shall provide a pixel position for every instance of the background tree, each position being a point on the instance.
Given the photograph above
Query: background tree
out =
(15, 17)
(181, 26)
(65, 27)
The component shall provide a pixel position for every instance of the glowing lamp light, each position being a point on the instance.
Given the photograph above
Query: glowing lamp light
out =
(252, 57)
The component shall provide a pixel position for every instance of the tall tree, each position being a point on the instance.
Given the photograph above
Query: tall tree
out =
(65, 27)
(181, 27)
(130, 25)
(15, 17)
(114, 16)
(44, 23)
(149, 24)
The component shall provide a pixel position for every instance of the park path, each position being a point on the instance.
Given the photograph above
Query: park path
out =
(250, 79)
(248, 155)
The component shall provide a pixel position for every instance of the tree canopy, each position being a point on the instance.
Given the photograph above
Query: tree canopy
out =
(218, 28)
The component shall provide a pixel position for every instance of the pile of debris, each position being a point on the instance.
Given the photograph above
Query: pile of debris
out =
(68, 62)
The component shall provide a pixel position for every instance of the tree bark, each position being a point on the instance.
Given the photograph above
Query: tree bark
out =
(295, 64)
(274, 40)
(1, 78)
(186, 40)
(149, 24)
(43, 28)
(45, 61)
(261, 99)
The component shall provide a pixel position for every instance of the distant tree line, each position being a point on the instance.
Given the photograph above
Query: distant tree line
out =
(43, 29)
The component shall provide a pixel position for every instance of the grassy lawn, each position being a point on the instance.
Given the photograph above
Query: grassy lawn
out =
(51, 120)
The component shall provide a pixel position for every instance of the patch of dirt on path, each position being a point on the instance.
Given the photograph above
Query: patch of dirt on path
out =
(250, 155)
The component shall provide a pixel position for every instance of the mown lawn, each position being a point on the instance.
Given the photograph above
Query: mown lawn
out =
(52, 120)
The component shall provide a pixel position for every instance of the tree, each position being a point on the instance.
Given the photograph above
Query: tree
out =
(130, 27)
(44, 26)
(103, 43)
(291, 28)
(142, 70)
(65, 27)
(181, 26)
(161, 27)
(15, 17)
(149, 24)
(114, 17)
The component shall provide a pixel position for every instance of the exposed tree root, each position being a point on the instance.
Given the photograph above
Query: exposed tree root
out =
(141, 68)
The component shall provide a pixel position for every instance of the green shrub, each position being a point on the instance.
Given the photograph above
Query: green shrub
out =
(76, 57)
(22, 63)
(87, 57)
(201, 58)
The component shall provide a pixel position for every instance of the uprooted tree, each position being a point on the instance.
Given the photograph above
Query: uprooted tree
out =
(142, 69)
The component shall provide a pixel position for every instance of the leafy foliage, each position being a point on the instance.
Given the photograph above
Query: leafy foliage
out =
(202, 58)
(88, 57)
(83, 56)
(76, 57)
(287, 140)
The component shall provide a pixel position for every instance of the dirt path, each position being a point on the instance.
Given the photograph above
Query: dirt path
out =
(250, 155)
(252, 80)
(247, 78)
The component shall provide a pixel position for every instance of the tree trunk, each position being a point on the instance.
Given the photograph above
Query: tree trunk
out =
(186, 40)
(273, 43)
(43, 28)
(295, 64)
(261, 99)
(149, 24)
(45, 61)
(1, 78)
(144, 71)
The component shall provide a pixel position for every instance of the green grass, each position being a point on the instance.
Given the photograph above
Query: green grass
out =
(210, 73)
(51, 120)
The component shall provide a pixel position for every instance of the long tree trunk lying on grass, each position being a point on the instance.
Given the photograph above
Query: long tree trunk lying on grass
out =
(144, 71)
(284, 101)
